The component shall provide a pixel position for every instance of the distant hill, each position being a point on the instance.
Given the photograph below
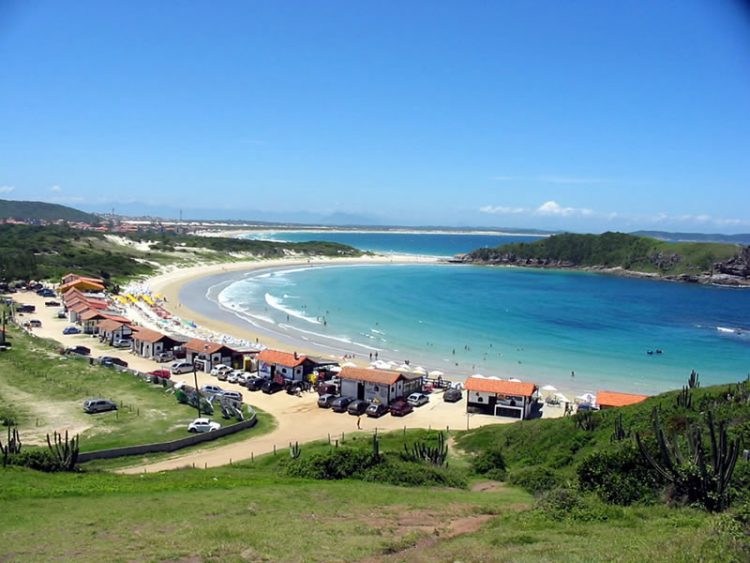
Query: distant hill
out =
(40, 211)
(694, 237)
(701, 262)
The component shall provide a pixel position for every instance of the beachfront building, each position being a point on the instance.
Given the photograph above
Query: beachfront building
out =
(612, 399)
(81, 283)
(284, 367)
(89, 319)
(378, 384)
(500, 397)
(207, 354)
(110, 330)
(148, 343)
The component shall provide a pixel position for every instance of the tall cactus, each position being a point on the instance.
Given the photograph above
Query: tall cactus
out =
(697, 476)
(693, 382)
(685, 398)
(294, 450)
(619, 432)
(375, 446)
(436, 455)
(13, 445)
(64, 451)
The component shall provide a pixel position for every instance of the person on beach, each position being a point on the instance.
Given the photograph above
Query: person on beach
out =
(572, 374)
(359, 423)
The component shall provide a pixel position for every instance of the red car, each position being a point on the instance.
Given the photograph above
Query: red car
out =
(163, 373)
(400, 407)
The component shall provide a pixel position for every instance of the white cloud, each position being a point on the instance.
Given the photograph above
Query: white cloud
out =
(554, 208)
(55, 188)
(502, 210)
(6, 189)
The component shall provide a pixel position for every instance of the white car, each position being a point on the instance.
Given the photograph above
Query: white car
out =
(237, 376)
(181, 366)
(220, 369)
(203, 425)
(212, 390)
(417, 399)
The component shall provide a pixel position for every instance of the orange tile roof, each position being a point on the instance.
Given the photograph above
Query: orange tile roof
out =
(79, 307)
(500, 386)
(379, 376)
(148, 335)
(616, 399)
(91, 314)
(109, 325)
(281, 358)
(118, 318)
(95, 285)
(203, 346)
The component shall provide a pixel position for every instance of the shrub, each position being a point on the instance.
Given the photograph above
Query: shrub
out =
(412, 474)
(490, 463)
(569, 504)
(535, 479)
(619, 476)
(336, 463)
(39, 459)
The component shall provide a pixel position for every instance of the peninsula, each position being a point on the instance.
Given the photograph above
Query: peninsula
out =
(623, 254)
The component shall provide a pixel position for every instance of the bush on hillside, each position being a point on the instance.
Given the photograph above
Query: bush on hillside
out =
(336, 463)
(564, 503)
(619, 476)
(39, 459)
(411, 474)
(535, 479)
(490, 463)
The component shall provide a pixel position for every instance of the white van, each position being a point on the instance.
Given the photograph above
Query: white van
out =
(181, 366)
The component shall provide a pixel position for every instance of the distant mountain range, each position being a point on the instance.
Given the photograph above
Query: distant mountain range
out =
(40, 211)
(694, 237)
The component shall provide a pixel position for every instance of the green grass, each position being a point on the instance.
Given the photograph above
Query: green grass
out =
(41, 388)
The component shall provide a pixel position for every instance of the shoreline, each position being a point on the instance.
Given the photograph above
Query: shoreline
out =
(338, 230)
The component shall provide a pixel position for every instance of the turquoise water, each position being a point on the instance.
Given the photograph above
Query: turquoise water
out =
(432, 244)
(532, 324)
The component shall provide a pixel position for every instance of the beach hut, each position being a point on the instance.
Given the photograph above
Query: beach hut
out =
(612, 399)
(497, 397)
(207, 354)
(284, 367)
(148, 343)
(110, 330)
(377, 384)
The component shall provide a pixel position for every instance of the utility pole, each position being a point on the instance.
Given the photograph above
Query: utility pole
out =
(197, 392)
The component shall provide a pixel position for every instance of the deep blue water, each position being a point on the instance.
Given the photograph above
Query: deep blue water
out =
(425, 244)
(532, 324)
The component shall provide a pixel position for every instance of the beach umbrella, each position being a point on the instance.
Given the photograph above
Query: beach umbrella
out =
(420, 370)
(436, 373)
(562, 398)
(348, 365)
(515, 380)
(334, 369)
(403, 367)
(588, 398)
(549, 388)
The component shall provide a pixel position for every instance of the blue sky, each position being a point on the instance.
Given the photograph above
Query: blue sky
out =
(585, 115)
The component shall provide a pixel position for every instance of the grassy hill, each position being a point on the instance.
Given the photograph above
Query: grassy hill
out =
(611, 250)
(40, 211)
(36, 252)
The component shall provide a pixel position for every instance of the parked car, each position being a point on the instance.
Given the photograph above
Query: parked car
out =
(376, 410)
(235, 375)
(46, 293)
(51, 303)
(452, 395)
(35, 323)
(325, 388)
(181, 367)
(80, 350)
(232, 396)
(417, 399)
(212, 390)
(25, 309)
(223, 376)
(400, 407)
(179, 352)
(270, 387)
(166, 356)
(254, 382)
(325, 401)
(357, 407)
(203, 425)
(61, 314)
(162, 373)
(93, 406)
(122, 343)
(220, 369)
(71, 330)
(340, 404)
(111, 361)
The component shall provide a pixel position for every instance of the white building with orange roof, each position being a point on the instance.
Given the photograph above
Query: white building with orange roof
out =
(500, 397)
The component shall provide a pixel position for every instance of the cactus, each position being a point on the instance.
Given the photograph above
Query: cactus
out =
(436, 455)
(619, 433)
(65, 451)
(294, 450)
(375, 446)
(685, 398)
(693, 382)
(586, 421)
(698, 477)
(13, 445)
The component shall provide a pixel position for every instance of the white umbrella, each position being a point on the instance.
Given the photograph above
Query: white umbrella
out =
(348, 365)
(562, 398)
(589, 398)
(420, 370)
(436, 373)
(515, 380)
(549, 388)
(334, 369)
(403, 367)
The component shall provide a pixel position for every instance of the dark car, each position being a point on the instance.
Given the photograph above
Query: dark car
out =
(340, 404)
(26, 309)
(326, 388)
(93, 406)
(45, 293)
(161, 373)
(452, 395)
(35, 323)
(51, 303)
(270, 387)
(254, 383)
(80, 350)
(357, 407)
(325, 401)
(376, 410)
(111, 361)
(71, 330)
(400, 407)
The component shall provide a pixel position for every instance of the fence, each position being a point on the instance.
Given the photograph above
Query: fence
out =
(169, 446)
